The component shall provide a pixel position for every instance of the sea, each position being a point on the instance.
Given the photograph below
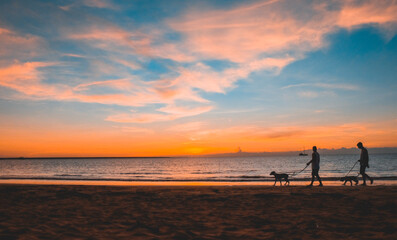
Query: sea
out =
(208, 169)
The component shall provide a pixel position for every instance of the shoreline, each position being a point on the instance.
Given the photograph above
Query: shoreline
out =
(84, 182)
(210, 179)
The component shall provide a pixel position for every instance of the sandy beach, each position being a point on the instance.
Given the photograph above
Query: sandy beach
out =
(197, 212)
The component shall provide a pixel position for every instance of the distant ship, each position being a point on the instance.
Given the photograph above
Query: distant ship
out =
(303, 153)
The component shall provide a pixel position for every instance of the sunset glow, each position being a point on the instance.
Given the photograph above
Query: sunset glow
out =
(160, 78)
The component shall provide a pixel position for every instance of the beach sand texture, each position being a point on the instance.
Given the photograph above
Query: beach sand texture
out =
(197, 212)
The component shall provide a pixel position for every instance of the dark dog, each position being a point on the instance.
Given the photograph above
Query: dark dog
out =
(279, 177)
(349, 179)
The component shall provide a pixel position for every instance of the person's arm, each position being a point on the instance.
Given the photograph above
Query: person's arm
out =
(366, 158)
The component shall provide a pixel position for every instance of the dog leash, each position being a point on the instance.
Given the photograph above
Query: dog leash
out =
(352, 169)
(294, 173)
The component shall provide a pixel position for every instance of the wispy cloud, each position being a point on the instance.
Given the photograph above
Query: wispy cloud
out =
(382, 13)
(99, 3)
(112, 38)
(91, 3)
(26, 78)
(340, 86)
(117, 84)
(17, 46)
(73, 55)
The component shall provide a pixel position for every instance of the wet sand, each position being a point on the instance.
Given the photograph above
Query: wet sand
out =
(197, 212)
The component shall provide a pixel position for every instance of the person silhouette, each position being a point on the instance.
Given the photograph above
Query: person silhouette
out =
(315, 166)
(364, 159)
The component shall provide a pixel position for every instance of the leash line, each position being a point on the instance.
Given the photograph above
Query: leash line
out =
(296, 173)
(351, 169)
(293, 174)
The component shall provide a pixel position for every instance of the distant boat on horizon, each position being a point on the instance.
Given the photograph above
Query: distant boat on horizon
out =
(303, 153)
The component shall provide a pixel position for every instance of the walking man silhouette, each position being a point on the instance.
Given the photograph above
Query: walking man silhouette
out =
(364, 159)
(315, 166)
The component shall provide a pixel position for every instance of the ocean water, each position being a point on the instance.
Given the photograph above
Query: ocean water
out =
(191, 169)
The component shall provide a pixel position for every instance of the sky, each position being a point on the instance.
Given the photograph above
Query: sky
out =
(160, 78)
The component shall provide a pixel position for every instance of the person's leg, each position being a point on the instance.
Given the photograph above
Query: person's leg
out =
(362, 172)
(313, 174)
(370, 179)
(318, 177)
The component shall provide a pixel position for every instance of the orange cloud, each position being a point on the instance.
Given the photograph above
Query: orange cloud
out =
(15, 46)
(129, 64)
(118, 84)
(114, 39)
(202, 77)
(117, 40)
(369, 12)
(26, 78)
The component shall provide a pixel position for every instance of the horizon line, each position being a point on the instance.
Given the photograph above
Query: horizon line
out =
(190, 155)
